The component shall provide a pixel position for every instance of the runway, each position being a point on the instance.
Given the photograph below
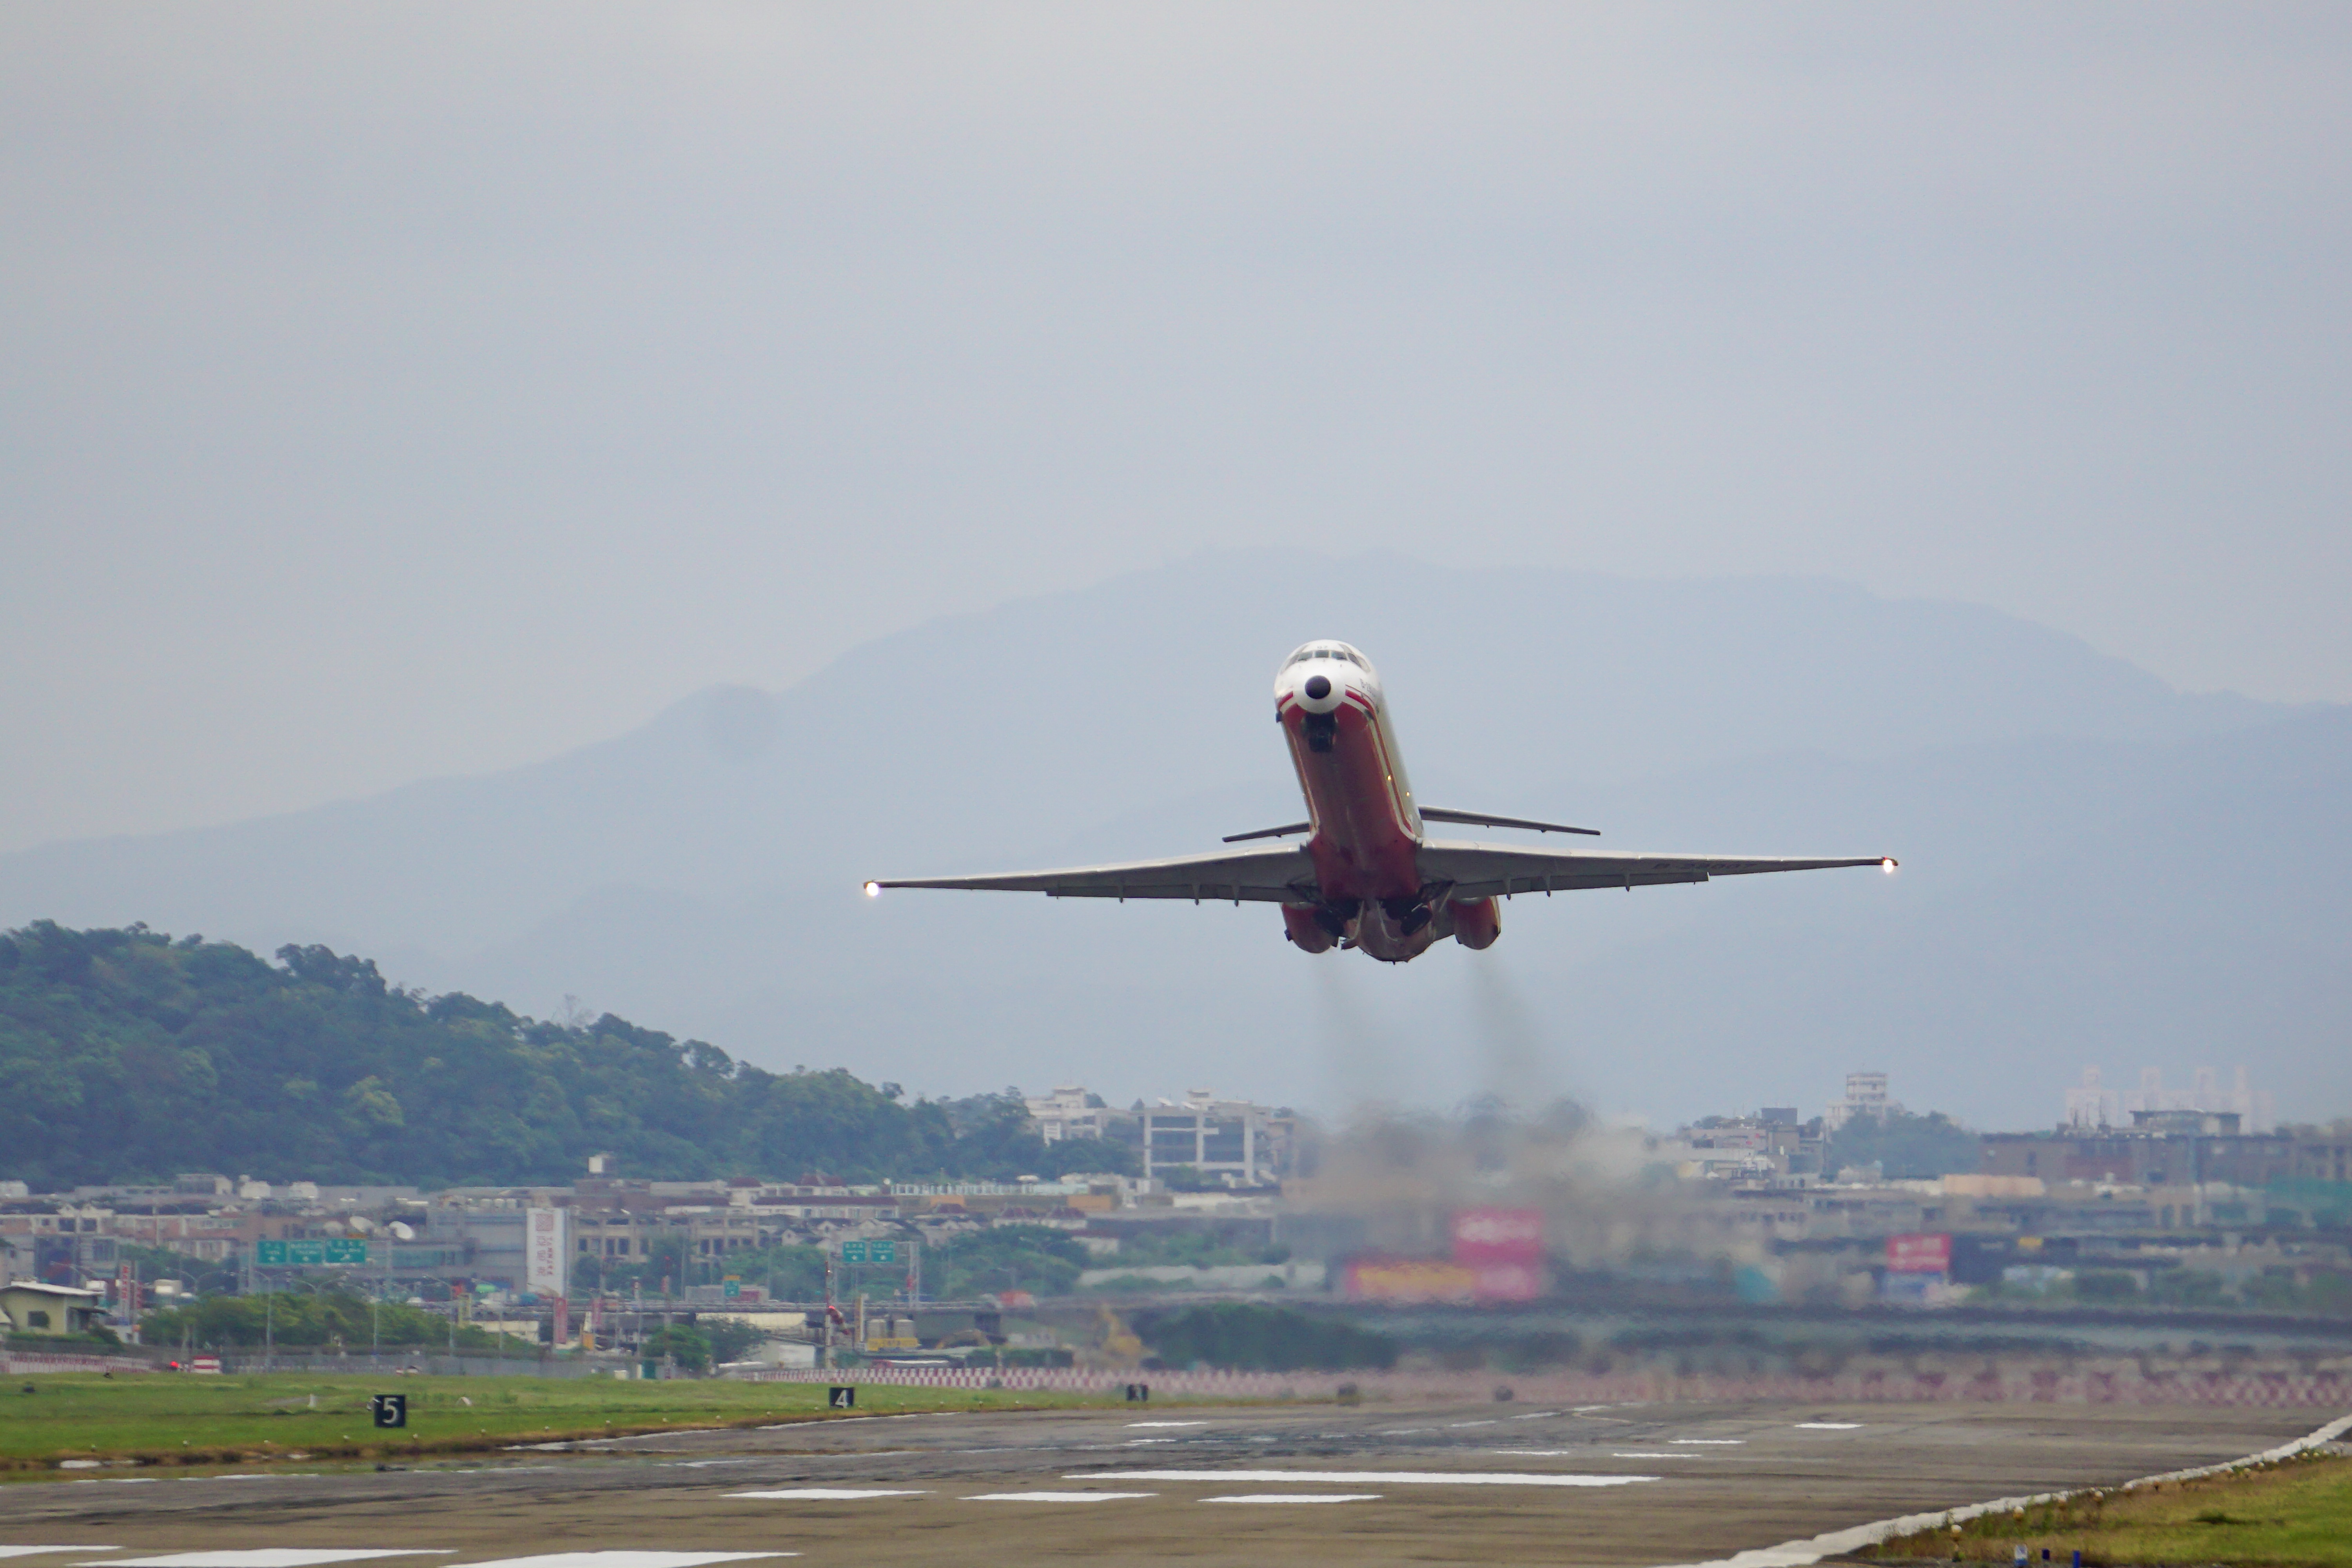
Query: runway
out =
(1633, 1485)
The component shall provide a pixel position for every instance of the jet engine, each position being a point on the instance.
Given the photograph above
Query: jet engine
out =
(1476, 922)
(1301, 926)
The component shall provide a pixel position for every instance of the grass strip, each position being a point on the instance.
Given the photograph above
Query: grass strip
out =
(2288, 1513)
(181, 1419)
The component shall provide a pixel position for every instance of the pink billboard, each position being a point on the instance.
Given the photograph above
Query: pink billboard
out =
(1493, 1236)
(1928, 1254)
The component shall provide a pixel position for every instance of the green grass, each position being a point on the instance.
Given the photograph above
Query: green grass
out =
(179, 1419)
(2294, 1514)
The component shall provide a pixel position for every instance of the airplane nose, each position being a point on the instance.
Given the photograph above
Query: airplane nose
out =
(1318, 686)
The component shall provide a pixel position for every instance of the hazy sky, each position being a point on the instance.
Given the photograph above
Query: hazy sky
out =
(392, 391)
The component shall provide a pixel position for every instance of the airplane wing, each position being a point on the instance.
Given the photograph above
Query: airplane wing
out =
(1278, 873)
(1483, 870)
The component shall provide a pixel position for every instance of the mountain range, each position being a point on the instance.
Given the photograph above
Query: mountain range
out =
(2097, 870)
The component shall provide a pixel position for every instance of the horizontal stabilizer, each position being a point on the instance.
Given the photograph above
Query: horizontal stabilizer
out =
(1437, 813)
(1270, 832)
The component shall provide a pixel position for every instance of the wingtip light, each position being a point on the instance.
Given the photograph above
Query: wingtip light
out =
(1886, 866)
(874, 889)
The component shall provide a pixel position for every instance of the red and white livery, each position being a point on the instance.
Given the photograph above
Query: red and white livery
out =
(1368, 875)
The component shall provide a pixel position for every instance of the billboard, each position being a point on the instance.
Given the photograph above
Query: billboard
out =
(1485, 1236)
(546, 1255)
(1507, 1281)
(1929, 1254)
(1409, 1279)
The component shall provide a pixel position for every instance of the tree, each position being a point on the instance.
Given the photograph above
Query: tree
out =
(125, 1054)
(1032, 1257)
(1904, 1146)
(1255, 1338)
(688, 1346)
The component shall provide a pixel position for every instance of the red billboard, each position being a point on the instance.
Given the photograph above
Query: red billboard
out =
(1930, 1254)
(1483, 1236)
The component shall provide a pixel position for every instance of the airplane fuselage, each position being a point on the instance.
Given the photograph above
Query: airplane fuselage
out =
(1364, 833)
(1368, 877)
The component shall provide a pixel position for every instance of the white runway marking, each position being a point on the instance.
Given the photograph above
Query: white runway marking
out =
(1406, 1431)
(832, 1494)
(1297, 1497)
(1372, 1478)
(37, 1551)
(1168, 1424)
(1639, 1454)
(274, 1557)
(626, 1559)
(1709, 1442)
(1535, 1415)
(1451, 1425)
(1829, 1426)
(1052, 1497)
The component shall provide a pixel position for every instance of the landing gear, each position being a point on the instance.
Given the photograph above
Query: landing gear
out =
(1409, 915)
(1318, 729)
(1334, 918)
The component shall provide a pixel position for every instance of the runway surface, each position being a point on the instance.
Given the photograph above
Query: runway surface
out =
(1637, 1485)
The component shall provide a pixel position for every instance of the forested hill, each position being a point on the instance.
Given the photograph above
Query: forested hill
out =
(126, 1055)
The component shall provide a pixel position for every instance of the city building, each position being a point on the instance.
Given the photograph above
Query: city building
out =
(1071, 1112)
(2090, 1104)
(29, 1307)
(1866, 1095)
(1235, 1141)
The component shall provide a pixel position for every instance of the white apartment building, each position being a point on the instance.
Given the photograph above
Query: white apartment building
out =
(1070, 1112)
(1866, 1095)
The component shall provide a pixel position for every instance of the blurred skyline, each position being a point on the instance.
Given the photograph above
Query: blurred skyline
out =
(395, 393)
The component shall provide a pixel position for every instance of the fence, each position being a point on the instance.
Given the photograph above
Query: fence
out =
(2028, 1385)
(385, 1363)
(18, 1363)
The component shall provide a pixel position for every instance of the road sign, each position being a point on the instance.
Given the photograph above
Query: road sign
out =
(853, 1252)
(309, 1254)
(839, 1397)
(881, 1249)
(732, 1288)
(389, 1409)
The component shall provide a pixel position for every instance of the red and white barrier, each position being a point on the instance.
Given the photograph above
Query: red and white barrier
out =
(2043, 1385)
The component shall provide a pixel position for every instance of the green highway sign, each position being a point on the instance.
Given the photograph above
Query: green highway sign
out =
(309, 1254)
(881, 1249)
(853, 1252)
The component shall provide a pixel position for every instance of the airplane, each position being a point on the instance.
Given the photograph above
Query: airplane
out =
(1368, 877)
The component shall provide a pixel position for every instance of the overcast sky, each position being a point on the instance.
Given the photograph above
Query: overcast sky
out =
(393, 391)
